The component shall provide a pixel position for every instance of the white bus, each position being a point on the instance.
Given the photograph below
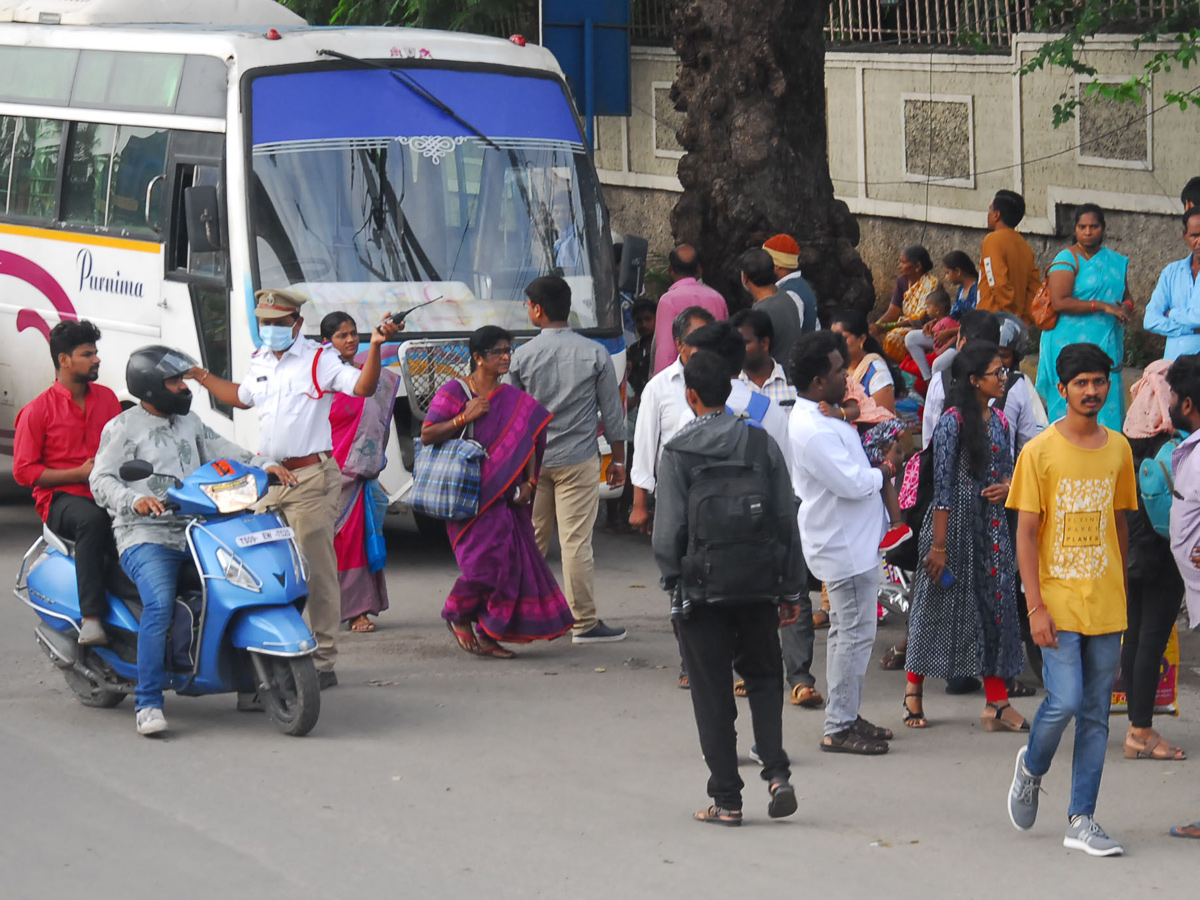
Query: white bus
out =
(161, 162)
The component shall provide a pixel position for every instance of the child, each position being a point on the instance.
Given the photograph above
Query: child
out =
(921, 341)
(878, 440)
(962, 274)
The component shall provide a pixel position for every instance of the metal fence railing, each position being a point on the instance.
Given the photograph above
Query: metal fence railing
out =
(990, 22)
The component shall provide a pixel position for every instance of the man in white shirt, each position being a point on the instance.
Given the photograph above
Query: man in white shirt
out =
(842, 520)
(290, 385)
(662, 405)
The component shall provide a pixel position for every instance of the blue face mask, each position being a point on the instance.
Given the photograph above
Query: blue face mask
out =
(276, 337)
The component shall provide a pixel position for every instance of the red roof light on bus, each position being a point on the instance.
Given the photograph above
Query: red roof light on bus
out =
(517, 39)
(273, 35)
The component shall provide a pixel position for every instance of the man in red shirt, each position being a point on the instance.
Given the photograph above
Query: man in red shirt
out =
(58, 434)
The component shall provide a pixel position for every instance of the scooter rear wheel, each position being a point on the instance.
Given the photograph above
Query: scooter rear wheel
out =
(293, 698)
(89, 693)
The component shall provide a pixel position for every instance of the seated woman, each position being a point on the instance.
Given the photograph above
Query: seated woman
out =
(879, 376)
(506, 591)
(900, 319)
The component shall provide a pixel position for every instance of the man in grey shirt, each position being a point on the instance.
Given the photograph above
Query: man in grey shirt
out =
(758, 278)
(152, 542)
(573, 377)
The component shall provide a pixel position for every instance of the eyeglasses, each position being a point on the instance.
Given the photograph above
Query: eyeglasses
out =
(498, 351)
(1000, 373)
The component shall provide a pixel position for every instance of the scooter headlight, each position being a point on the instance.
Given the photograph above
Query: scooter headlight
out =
(233, 496)
(237, 572)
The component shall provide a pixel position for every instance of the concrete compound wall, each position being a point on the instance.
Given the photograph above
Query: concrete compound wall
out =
(919, 143)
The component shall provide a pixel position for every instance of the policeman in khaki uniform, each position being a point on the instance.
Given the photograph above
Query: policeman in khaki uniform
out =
(289, 387)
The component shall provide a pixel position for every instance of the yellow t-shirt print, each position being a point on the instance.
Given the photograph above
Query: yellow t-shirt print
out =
(1081, 521)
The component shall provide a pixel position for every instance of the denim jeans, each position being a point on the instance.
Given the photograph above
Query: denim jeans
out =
(852, 621)
(155, 570)
(1078, 676)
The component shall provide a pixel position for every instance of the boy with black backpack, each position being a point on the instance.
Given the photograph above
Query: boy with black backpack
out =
(727, 544)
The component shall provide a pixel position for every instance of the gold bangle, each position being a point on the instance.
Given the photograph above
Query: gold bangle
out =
(937, 549)
(843, 412)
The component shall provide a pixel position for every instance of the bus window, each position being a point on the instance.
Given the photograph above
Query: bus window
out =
(138, 166)
(89, 164)
(8, 130)
(34, 176)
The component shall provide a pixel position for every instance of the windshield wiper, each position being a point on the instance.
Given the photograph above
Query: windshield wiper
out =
(417, 88)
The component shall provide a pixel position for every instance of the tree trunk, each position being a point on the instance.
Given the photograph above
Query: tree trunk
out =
(752, 83)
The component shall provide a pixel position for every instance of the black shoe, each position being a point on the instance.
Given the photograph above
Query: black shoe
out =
(599, 634)
(326, 680)
(965, 685)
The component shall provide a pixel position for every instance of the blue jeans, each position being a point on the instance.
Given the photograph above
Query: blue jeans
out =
(155, 570)
(1079, 677)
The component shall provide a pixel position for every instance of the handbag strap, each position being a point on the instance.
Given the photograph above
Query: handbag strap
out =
(468, 429)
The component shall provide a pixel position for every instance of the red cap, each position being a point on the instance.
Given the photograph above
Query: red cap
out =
(517, 39)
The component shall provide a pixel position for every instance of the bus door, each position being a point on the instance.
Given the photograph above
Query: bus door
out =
(197, 266)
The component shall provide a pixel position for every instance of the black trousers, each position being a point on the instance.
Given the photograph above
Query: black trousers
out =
(1153, 606)
(717, 640)
(79, 519)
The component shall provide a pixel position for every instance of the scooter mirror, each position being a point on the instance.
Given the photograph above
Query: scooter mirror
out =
(135, 470)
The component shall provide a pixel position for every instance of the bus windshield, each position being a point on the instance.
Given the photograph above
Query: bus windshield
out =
(366, 196)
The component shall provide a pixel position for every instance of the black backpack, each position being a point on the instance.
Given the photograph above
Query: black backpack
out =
(734, 554)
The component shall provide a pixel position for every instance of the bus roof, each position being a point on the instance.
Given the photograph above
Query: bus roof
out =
(236, 29)
(260, 13)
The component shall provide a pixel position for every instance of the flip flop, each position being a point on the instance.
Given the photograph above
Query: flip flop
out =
(493, 649)
(1187, 831)
(466, 639)
(362, 625)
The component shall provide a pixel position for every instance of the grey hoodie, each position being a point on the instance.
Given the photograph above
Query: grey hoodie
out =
(718, 437)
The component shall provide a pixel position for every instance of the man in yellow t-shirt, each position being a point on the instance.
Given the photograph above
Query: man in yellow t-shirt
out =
(1071, 487)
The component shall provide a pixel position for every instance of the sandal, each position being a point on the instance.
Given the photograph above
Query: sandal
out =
(362, 624)
(715, 815)
(807, 696)
(684, 683)
(1187, 831)
(915, 718)
(846, 741)
(1020, 689)
(465, 635)
(863, 728)
(894, 659)
(489, 647)
(1154, 747)
(783, 800)
(739, 688)
(993, 719)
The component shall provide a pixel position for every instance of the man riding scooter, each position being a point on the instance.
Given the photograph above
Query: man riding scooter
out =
(151, 541)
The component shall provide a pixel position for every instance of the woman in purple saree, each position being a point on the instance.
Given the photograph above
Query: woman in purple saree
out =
(507, 591)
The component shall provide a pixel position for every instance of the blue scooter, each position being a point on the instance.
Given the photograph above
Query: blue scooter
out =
(237, 623)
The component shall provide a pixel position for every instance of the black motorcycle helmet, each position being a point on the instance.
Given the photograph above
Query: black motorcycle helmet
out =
(146, 371)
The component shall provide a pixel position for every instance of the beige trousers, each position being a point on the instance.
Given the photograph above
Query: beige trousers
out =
(570, 495)
(310, 508)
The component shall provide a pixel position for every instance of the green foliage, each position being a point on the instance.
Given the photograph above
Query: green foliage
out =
(451, 15)
(1073, 22)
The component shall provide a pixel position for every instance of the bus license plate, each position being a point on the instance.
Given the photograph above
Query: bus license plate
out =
(262, 537)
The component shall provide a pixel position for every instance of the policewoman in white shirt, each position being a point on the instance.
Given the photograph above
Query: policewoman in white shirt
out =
(289, 387)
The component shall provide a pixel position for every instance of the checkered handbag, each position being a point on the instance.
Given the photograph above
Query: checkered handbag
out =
(446, 477)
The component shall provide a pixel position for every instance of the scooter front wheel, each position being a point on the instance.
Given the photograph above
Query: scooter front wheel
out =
(89, 693)
(290, 692)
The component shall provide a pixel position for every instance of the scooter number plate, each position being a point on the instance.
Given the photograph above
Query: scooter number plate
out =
(262, 537)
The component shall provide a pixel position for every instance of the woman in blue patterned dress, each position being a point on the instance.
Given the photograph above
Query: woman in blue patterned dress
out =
(964, 620)
(1088, 291)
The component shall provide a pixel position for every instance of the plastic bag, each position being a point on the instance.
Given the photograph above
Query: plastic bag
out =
(1166, 700)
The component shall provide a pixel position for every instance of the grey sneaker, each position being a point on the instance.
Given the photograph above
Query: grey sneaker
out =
(1084, 833)
(1023, 795)
(599, 634)
(92, 634)
(150, 720)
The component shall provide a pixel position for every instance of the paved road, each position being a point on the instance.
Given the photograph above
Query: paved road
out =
(432, 774)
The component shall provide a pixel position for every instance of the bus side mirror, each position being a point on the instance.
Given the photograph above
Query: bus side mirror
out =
(203, 216)
(631, 276)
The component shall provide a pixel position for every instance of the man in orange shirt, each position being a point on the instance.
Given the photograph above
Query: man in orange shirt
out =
(1009, 276)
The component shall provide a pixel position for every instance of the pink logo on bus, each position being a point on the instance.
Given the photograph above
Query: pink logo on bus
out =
(31, 273)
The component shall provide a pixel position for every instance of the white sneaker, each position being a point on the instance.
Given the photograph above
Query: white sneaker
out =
(151, 720)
